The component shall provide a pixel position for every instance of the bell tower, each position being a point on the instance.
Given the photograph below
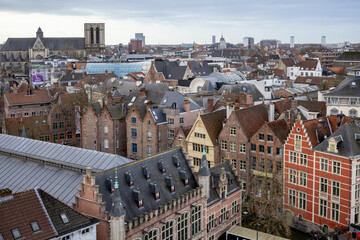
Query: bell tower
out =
(94, 37)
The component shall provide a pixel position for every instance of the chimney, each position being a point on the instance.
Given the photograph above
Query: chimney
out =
(187, 105)
(210, 104)
(229, 109)
(142, 92)
(5, 192)
(249, 99)
(271, 112)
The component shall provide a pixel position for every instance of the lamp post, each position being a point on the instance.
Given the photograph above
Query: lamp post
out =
(257, 230)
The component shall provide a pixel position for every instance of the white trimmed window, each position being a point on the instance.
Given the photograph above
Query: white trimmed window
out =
(336, 188)
(323, 185)
(292, 197)
(302, 200)
(324, 164)
(335, 209)
(223, 145)
(242, 165)
(292, 156)
(196, 220)
(358, 170)
(232, 147)
(242, 148)
(167, 231)
(302, 179)
(106, 129)
(106, 143)
(357, 191)
(182, 226)
(298, 141)
(151, 235)
(303, 159)
(233, 131)
(336, 167)
(323, 208)
(292, 176)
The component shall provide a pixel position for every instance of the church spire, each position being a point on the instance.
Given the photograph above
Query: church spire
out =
(39, 33)
(117, 208)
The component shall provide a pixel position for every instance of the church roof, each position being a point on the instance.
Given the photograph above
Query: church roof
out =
(24, 44)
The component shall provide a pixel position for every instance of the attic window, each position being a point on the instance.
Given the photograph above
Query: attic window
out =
(155, 189)
(170, 183)
(16, 233)
(129, 179)
(162, 167)
(184, 177)
(35, 226)
(146, 172)
(138, 198)
(176, 161)
(64, 218)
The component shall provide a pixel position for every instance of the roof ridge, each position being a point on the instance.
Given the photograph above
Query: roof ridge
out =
(45, 210)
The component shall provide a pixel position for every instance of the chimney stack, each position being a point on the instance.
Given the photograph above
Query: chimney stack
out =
(249, 99)
(142, 92)
(271, 112)
(5, 192)
(229, 109)
(187, 105)
(210, 105)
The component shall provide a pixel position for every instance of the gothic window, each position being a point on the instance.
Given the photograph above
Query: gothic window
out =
(97, 35)
(182, 227)
(151, 235)
(167, 231)
(92, 35)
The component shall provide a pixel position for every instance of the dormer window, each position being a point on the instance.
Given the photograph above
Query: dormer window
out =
(335, 143)
(64, 218)
(155, 189)
(170, 183)
(162, 167)
(146, 172)
(184, 177)
(138, 198)
(129, 179)
(176, 161)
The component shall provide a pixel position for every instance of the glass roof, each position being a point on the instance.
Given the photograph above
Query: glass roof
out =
(120, 69)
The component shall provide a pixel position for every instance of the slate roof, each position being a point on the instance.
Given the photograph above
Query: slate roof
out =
(349, 87)
(72, 76)
(24, 44)
(19, 210)
(21, 98)
(171, 70)
(117, 111)
(226, 53)
(246, 118)
(140, 183)
(349, 145)
(55, 168)
(200, 68)
(158, 115)
(349, 56)
(232, 186)
(171, 97)
(213, 122)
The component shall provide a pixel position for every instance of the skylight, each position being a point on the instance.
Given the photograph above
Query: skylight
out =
(35, 226)
(64, 218)
(16, 233)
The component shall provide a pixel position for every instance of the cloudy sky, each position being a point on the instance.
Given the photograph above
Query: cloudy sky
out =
(185, 21)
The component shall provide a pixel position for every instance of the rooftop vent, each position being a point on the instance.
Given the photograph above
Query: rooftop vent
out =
(184, 177)
(170, 183)
(129, 179)
(176, 161)
(155, 189)
(138, 198)
(161, 165)
(146, 172)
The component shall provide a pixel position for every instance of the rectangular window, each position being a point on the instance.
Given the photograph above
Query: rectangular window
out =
(62, 136)
(242, 165)
(324, 164)
(323, 185)
(33, 114)
(270, 138)
(278, 151)
(292, 156)
(106, 143)
(357, 191)
(278, 165)
(261, 148)
(303, 159)
(335, 211)
(61, 125)
(233, 163)
(171, 134)
(292, 176)
(234, 205)
(223, 145)
(69, 135)
(253, 163)
(55, 126)
(149, 150)
(41, 113)
(133, 133)
(270, 150)
(133, 120)
(242, 148)
(233, 131)
(302, 178)
(336, 167)
(170, 121)
(199, 135)
(292, 197)
(269, 166)
(261, 164)
(261, 136)
(117, 143)
(323, 208)
(335, 188)
(253, 147)
(232, 147)
(197, 161)
(297, 141)
(200, 148)
(211, 221)
(358, 170)
(134, 147)
(57, 116)
(181, 120)
(12, 115)
(47, 138)
(302, 200)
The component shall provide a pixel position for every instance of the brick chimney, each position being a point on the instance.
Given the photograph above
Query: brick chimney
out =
(249, 99)
(142, 92)
(187, 105)
(5, 192)
(210, 105)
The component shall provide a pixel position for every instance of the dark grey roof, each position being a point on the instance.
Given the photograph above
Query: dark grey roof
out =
(154, 93)
(174, 99)
(2, 58)
(232, 186)
(24, 44)
(246, 88)
(204, 168)
(171, 70)
(117, 111)
(208, 87)
(57, 169)
(158, 115)
(184, 83)
(226, 53)
(200, 68)
(54, 208)
(142, 187)
(347, 138)
(72, 76)
(349, 87)
(97, 107)
(349, 56)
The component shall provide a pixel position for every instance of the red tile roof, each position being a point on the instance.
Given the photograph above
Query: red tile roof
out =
(307, 65)
(19, 212)
(213, 123)
(313, 80)
(38, 96)
(288, 62)
(280, 128)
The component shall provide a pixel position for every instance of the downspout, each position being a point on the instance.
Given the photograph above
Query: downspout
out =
(348, 218)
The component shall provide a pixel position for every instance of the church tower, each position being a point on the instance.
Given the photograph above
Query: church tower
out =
(94, 37)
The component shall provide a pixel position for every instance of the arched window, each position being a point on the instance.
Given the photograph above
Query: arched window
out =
(353, 113)
(182, 226)
(167, 231)
(334, 111)
(97, 35)
(196, 220)
(151, 235)
(92, 35)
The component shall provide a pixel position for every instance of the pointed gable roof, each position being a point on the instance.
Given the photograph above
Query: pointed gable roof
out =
(246, 118)
(213, 123)
(280, 128)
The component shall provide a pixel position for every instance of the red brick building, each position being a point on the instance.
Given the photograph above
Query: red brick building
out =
(321, 169)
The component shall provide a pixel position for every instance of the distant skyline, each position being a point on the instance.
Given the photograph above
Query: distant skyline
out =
(174, 22)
